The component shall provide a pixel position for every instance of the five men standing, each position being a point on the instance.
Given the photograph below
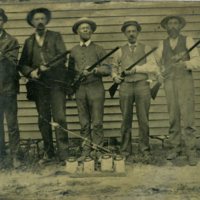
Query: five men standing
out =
(50, 98)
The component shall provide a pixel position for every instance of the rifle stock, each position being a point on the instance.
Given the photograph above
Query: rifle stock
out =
(112, 90)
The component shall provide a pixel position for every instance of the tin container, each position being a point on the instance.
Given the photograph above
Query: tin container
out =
(71, 165)
(119, 164)
(106, 163)
(88, 165)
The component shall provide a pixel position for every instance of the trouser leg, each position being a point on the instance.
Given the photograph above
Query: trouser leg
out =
(11, 118)
(44, 112)
(58, 100)
(2, 133)
(126, 106)
(84, 116)
(142, 100)
(96, 97)
(174, 114)
(186, 102)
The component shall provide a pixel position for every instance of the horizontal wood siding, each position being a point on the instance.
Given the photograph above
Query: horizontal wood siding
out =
(109, 18)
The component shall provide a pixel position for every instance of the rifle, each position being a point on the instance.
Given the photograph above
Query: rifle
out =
(82, 77)
(56, 58)
(114, 86)
(30, 85)
(176, 58)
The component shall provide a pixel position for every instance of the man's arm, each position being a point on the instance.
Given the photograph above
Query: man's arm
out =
(23, 66)
(116, 63)
(194, 62)
(104, 69)
(150, 66)
(60, 48)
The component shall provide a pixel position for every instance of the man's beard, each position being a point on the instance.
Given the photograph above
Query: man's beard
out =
(173, 32)
(132, 39)
(40, 29)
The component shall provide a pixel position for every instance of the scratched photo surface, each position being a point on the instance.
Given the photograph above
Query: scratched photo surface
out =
(66, 134)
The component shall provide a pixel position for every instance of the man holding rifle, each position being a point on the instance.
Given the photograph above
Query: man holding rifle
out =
(90, 94)
(50, 98)
(9, 87)
(177, 63)
(134, 87)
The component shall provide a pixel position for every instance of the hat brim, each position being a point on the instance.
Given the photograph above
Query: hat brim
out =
(4, 17)
(164, 22)
(90, 22)
(38, 10)
(124, 26)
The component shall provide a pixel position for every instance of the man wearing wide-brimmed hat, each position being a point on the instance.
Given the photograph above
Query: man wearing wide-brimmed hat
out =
(8, 89)
(90, 95)
(134, 88)
(41, 47)
(179, 86)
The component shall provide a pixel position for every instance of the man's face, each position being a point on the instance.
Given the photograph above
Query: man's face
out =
(131, 33)
(39, 21)
(1, 22)
(84, 31)
(173, 27)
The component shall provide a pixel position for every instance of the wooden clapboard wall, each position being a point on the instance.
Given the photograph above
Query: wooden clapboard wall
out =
(109, 18)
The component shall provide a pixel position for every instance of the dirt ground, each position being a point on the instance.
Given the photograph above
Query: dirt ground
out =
(159, 179)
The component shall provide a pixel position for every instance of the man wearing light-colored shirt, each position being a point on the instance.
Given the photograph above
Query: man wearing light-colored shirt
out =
(179, 86)
(134, 88)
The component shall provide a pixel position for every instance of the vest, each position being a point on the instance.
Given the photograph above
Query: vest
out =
(168, 53)
(128, 58)
(84, 57)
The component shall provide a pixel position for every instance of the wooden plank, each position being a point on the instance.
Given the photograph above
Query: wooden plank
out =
(27, 6)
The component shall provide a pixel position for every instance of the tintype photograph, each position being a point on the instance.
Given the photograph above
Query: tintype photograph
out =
(99, 100)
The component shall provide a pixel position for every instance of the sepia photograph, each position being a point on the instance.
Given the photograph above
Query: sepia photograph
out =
(99, 100)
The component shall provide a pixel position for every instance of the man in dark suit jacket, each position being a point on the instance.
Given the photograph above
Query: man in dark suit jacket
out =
(8, 89)
(49, 95)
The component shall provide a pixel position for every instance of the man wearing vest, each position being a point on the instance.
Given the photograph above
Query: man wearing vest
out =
(50, 97)
(134, 88)
(8, 90)
(179, 86)
(90, 95)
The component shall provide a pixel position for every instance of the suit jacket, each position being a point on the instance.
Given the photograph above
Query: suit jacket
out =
(53, 45)
(9, 78)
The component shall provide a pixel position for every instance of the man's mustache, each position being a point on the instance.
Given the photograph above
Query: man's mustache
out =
(173, 31)
(40, 26)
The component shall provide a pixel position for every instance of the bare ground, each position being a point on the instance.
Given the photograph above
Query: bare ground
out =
(157, 180)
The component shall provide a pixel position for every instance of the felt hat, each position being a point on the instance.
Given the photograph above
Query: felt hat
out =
(3, 15)
(164, 22)
(31, 14)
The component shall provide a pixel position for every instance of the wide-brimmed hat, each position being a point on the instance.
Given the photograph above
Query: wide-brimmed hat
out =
(131, 23)
(81, 21)
(31, 14)
(3, 15)
(164, 22)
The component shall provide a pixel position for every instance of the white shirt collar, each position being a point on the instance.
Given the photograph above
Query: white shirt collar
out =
(85, 43)
(129, 44)
(40, 39)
